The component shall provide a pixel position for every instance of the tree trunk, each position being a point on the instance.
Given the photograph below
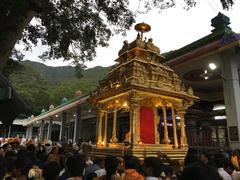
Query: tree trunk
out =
(12, 25)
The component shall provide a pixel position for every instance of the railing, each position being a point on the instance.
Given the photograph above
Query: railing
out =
(221, 142)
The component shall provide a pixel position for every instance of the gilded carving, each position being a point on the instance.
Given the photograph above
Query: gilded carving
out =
(150, 46)
(124, 48)
(190, 91)
(139, 79)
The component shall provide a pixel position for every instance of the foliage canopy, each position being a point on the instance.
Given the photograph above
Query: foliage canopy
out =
(71, 29)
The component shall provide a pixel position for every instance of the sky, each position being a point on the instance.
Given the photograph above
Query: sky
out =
(170, 29)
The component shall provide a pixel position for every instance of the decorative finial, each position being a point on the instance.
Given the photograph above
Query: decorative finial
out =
(220, 22)
(142, 28)
(51, 106)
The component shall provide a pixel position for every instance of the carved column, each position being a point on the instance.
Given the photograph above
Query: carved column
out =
(105, 129)
(62, 134)
(156, 122)
(77, 125)
(114, 131)
(175, 138)
(49, 130)
(166, 139)
(30, 135)
(27, 131)
(133, 122)
(41, 134)
(100, 117)
(183, 130)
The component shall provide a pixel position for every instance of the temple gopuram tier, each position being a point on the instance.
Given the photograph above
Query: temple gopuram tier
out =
(149, 93)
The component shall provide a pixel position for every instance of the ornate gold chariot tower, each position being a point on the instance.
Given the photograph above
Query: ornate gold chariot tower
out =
(142, 85)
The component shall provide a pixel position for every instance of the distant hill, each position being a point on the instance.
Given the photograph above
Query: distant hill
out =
(40, 85)
(55, 75)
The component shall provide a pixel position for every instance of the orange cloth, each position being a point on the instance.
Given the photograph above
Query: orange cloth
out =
(30, 142)
(132, 174)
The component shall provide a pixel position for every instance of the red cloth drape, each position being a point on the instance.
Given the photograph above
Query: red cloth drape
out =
(147, 125)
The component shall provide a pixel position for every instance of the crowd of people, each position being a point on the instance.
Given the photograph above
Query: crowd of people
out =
(32, 160)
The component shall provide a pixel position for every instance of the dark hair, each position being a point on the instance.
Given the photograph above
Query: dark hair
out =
(23, 163)
(205, 154)
(111, 164)
(5, 146)
(75, 165)
(191, 158)
(131, 162)
(9, 164)
(219, 160)
(31, 147)
(200, 171)
(2, 167)
(51, 170)
(11, 154)
(155, 165)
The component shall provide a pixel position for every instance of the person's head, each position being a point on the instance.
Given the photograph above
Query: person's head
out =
(11, 154)
(131, 162)
(55, 150)
(191, 158)
(152, 167)
(219, 160)
(14, 144)
(192, 151)
(31, 147)
(23, 164)
(111, 165)
(75, 165)
(9, 165)
(204, 157)
(51, 170)
(7, 147)
(235, 153)
(199, 171)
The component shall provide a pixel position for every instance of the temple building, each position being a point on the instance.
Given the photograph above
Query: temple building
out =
(210, 66)
(150, 102)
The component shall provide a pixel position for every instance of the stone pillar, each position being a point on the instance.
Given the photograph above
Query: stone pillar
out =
(27, 132)
(231, 90)
(183, 142)
(77, 125)
(41, 133)
(133, 122)
(114, 131)
(217, 135)
(175, 138)
(9, 131)
(100, 118)
(105, 129)
(62, 135)
(166, 139)
(157, 134)
(30, 132)
(49, 130)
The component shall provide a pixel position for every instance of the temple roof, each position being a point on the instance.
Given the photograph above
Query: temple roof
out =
(221, 32)
(140, 68)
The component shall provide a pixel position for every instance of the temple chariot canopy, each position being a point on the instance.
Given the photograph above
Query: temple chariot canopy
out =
(140, 84)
